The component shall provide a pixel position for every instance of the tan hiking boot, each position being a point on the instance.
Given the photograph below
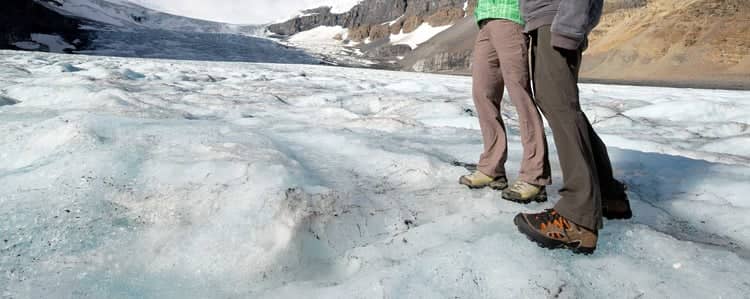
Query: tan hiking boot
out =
(551, 230)
(479, 180)
(523, 192)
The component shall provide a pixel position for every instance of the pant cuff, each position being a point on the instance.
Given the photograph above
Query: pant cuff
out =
(536, 181)
(579, 217)
(493, 173)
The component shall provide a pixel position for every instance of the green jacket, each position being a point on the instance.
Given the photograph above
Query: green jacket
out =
(499, 9)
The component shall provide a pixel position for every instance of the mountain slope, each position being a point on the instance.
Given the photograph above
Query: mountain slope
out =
(695, 42)
(669, 40)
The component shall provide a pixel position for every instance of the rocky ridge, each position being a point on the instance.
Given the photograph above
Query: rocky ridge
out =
(665, 42)
(378, 19)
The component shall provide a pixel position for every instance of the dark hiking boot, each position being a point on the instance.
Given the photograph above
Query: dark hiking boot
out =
(525, 193)
(478, 180)
(615, 203)
(551, 230)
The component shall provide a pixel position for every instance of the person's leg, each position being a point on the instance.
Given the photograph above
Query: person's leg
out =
(614, 200)
(615, 203)
(509, 41)
(603, 166)
(487, 89)
(574, 222)
(556, 78)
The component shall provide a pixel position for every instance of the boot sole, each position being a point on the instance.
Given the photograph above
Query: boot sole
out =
(545, 242)
(497, 187)
(618, 215)
(627, 214)
(541, 197)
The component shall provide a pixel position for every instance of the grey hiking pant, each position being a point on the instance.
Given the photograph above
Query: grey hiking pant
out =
(586, 168)
(501, 60)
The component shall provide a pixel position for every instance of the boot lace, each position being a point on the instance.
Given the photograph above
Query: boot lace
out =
(550, 217)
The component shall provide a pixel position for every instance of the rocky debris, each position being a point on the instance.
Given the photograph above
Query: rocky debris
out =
(445, 62)
(390, 51)
(359, 33)
(446, 16)
(379, 32)
(374, 12)
(427, 8)
(411, 23)
(308, 20)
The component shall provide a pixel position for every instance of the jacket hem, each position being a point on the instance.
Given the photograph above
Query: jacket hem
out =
(565, 42)
(540, 21)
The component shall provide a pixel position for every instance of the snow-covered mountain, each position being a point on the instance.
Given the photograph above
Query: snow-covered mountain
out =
(135, 178)
(122, 28)
(125, 13)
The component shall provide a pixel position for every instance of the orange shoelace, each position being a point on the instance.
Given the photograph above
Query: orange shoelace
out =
(555, 219)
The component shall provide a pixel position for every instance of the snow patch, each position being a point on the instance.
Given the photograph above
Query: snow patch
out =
(422, 34)
(27, 45)
(322, 35)
(393, 22)
(54, 43)
(324, 41)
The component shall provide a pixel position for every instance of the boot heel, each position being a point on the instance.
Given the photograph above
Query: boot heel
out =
(583, 250)
(499, 185)
(541, 197)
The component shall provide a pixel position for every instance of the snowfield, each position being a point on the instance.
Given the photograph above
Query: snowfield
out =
(327, 44)
(136, 178)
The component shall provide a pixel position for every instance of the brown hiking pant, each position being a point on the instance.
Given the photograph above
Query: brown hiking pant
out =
(586, 168)
(501, 60)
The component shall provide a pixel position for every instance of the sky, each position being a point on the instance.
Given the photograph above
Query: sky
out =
(235, 11)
